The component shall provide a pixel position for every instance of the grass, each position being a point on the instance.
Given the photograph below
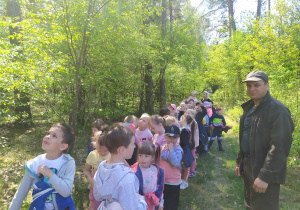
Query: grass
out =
(214, 187)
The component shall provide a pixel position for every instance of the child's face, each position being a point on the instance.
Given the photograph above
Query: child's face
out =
(94, 130)
(171, 139)
(143, 123)
(219, 112)
(127, 152)
(191, 103)
(52, 142)
(102, 150)
(156, 128)
(198, 108)
(182, 107)
(145, 160)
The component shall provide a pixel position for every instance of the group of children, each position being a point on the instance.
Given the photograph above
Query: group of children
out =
(132, 165)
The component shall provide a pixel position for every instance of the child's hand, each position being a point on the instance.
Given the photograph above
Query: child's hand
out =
(45, 171)
(170, 146)
(161, 208)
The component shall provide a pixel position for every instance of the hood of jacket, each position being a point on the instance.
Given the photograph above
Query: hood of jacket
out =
(107, 178)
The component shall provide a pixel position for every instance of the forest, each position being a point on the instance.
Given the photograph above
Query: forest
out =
(76, 61)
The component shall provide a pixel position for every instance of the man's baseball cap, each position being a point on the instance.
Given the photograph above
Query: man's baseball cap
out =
(172, 131)
(256, 76)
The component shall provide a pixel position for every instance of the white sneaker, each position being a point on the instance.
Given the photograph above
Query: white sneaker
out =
(184, 185)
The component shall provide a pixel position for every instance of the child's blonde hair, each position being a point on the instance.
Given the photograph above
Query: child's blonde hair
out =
(146, 115)
(130, 119)
(170, 120)
(156, 119)
(98, 138)
(192, 122)
(191, 112)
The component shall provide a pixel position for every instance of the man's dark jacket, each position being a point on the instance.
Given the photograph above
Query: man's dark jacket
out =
(270, 139)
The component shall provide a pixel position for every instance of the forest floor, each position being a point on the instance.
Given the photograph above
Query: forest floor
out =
(214, 187)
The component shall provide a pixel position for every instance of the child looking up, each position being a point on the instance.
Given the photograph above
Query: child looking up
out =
(157, 125)
(150, 176)
(97, 125)
(143, 132)
(170, 160)
(187, 143)
(92, 162)
(51, 175)
(114, 183)
(173, 109)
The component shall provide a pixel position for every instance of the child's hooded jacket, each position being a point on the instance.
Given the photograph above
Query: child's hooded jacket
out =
(117, 183)
(62, 183)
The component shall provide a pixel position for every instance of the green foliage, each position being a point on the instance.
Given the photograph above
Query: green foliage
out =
(271, 45)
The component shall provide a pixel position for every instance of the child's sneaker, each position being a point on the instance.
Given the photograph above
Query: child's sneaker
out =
(192, 174)
(184, 185)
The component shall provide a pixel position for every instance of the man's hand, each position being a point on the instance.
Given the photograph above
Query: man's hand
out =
(260, 186)
(45, 171)
(237, 171)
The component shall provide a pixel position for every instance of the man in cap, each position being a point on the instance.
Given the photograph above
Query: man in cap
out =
(265, 139)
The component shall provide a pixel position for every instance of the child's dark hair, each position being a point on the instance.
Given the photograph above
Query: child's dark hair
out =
(148, 148)
(130, 119)
(189, 120)
(118, 134)
(156, 119)
(68, 133)
(99, 123)
(164, 111)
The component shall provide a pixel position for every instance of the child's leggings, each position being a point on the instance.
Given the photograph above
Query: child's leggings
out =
(186, 173)
(194, 163)
(94, 204)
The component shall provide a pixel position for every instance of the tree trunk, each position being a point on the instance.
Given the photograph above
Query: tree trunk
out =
(149, 89)
(269, 7)
(162, 101)
(231, 27)
(22, 99)
(258, 12)
(148, 81)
